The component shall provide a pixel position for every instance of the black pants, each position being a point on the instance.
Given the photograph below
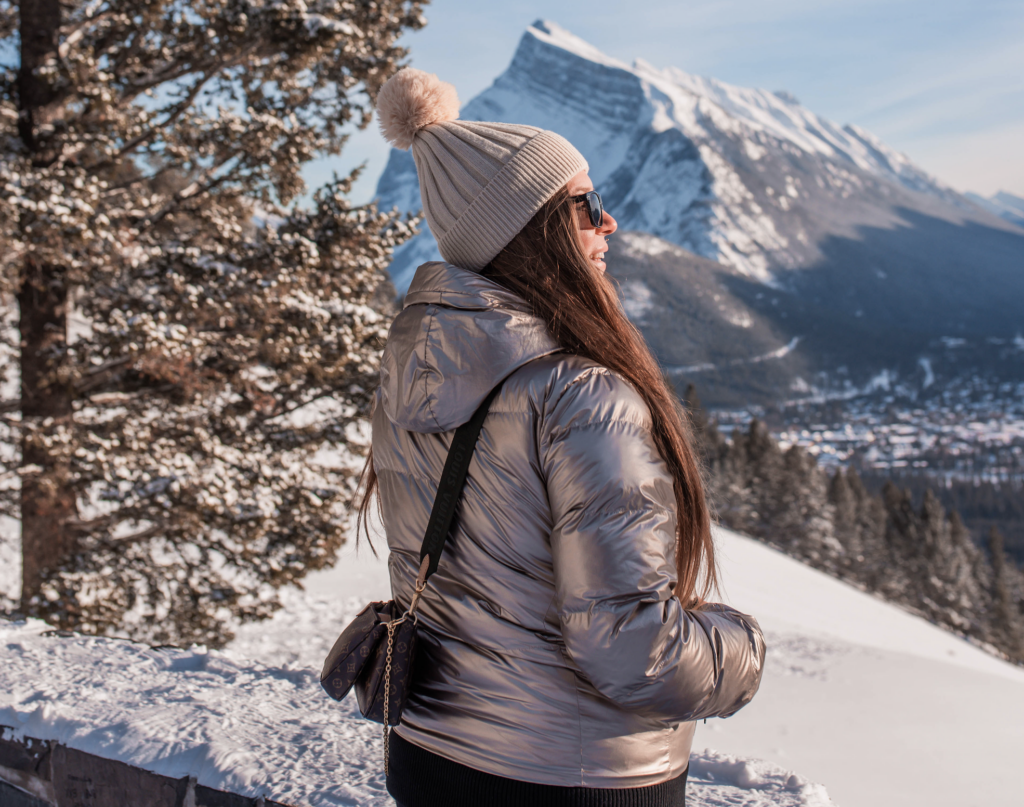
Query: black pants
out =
(420, 778)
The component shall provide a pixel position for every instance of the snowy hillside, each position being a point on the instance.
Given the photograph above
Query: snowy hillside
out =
(881, 707)
(244, 727)
(857, 695)
(253, 720)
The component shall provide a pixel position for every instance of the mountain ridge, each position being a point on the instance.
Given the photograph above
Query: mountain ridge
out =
(1003, 204)
(827, 218)
(653, 118)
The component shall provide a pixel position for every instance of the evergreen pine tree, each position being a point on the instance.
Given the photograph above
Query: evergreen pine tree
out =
(900, 571)
(803, 515)
(712, 448)
(922, 558)
(194, 448)
(780, 497)
(741, 473)
(846, 527)
(870, 529)
(698, 416)
(1007, 625)
(950, 593)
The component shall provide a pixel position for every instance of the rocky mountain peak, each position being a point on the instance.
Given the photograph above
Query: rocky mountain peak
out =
(718, 169)
(876, 258)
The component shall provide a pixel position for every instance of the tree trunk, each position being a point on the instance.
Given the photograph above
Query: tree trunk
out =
(37, 99)
(46, 406)
(46, 402)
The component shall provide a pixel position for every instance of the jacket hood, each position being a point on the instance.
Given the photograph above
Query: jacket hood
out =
(457, 336)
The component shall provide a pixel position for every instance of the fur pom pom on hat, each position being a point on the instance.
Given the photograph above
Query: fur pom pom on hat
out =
(480, 183)
(411, 100)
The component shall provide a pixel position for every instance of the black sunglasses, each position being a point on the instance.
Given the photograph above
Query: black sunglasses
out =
(594, 207)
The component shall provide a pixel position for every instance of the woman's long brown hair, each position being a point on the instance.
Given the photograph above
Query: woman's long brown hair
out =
(546, 266)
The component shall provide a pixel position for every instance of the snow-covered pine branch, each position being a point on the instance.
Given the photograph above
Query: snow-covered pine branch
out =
(197, 447)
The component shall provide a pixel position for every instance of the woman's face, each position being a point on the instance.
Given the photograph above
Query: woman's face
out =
(593, 239)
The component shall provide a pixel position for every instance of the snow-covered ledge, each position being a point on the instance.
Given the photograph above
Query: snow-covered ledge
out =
(247, 728)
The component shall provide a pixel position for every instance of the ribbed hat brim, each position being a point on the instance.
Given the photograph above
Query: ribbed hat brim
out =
(508, 202)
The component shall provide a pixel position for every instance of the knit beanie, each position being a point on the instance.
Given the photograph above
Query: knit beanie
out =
(480, 183)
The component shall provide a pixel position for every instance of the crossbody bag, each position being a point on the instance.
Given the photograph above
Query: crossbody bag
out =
(374, 654)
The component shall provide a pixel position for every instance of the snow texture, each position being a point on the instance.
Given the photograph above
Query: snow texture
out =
(865, 697)
(857, 694)
(263, 727)
(637, 299)
(10, 562)
(235, 725)
(742, 321)
(248, 728)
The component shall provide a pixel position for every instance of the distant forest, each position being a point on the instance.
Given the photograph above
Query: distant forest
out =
(982, 505)
(908, 546)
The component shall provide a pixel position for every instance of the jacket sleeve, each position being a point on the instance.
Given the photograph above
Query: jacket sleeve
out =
(613, 544)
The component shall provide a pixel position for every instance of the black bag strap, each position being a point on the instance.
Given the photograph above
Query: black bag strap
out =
(453, 478)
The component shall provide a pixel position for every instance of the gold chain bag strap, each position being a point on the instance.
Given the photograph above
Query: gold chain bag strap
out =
(374, 654)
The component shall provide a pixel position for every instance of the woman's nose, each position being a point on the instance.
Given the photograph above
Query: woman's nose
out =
(608, 224)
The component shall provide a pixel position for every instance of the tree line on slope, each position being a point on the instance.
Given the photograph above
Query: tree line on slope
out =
(922, 558)
(981, 503)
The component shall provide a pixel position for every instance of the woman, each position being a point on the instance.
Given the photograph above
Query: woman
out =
(566, 647)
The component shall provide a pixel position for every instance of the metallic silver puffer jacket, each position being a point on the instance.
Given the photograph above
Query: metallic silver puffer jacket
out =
(552, 649)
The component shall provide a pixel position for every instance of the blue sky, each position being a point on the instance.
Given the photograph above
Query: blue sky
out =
(941, 81)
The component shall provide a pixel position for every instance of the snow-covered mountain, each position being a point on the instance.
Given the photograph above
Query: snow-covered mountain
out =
(743, 343)
(1003, 204)
(790, 205)
(742, 176)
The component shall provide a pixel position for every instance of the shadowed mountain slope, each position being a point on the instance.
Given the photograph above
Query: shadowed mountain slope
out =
(741, 342)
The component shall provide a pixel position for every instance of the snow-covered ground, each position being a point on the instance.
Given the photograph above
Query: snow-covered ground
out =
(875, 703)
(253, 719)
(881, 707)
